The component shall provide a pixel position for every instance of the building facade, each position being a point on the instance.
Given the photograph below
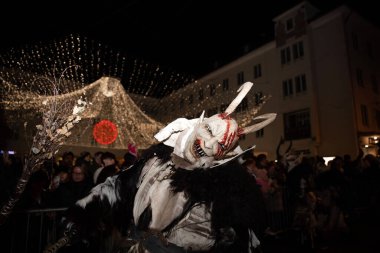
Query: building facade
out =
(321, 72)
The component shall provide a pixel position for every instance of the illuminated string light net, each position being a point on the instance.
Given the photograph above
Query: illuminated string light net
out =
(108, 100)
(79, 66)
(110, 79)
(82, 61)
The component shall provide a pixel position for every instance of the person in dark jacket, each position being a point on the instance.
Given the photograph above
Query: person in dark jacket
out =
(76, 188)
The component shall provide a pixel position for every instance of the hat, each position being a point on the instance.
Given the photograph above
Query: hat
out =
(132, 149)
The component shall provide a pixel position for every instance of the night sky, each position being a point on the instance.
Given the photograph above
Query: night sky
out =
(192, 36)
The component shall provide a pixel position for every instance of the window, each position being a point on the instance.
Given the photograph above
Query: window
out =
(285, 55)
(212, 89)
(364, 112)
(287, 87)
(378, 119)
(355, 41)
(375, 86)
(200, 94)
(225, 84)
(300, 83)
(289, 24)
(359, 77)
(243, 106)
(240, 78)
(191, 99)
(369, 49)
(298, 51)
(258, 98)
(260, 133)
(257, 71)
(297, 125)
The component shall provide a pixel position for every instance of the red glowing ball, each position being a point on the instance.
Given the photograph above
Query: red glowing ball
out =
(105, 132)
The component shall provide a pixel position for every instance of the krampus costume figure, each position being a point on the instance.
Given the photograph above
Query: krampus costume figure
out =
(189, 193)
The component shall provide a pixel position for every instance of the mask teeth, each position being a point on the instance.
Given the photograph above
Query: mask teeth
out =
(198, 151)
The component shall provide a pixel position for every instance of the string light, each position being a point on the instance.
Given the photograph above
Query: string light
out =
(93, 60)
(121, 88)
(107, 100)
(77, 64)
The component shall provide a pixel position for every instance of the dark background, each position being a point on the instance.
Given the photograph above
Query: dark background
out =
(193, 36)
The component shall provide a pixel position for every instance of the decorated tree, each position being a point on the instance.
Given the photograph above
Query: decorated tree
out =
(57, 119)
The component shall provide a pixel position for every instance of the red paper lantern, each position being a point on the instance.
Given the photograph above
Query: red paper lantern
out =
(105, 132)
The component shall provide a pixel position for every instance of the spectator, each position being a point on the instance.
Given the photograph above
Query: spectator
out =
(60, 178)
(96, 163)
(261, 161)
(85, 157)
(34, 196)
(67, 162)
(78, 187)
(109, 161)
(130, 157)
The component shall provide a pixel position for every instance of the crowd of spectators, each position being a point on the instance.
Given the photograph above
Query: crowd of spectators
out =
(59, 182)
(321, 200)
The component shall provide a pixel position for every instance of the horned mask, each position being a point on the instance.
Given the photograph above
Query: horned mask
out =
(202, 142)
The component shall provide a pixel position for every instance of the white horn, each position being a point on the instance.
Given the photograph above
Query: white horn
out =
(267, 119)
(201, 118)
(244, 89)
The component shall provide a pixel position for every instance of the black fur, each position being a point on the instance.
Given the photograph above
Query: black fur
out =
(237, 200)
(159, 150)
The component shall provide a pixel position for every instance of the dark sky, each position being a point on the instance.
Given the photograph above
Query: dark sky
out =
(189, 35)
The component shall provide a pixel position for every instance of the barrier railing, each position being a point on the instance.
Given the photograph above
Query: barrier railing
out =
(31, 231)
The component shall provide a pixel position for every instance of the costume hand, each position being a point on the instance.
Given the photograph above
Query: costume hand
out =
(72, 232)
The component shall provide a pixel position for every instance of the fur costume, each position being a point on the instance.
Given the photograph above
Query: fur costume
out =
(189, 193)
(235, 208)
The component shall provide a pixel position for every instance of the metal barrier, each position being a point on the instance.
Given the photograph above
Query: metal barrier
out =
(31, 231)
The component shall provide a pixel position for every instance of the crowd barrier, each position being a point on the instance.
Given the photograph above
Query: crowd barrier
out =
(31, 231)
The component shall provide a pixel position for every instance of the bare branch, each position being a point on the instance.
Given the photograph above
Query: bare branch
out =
(58, 118)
